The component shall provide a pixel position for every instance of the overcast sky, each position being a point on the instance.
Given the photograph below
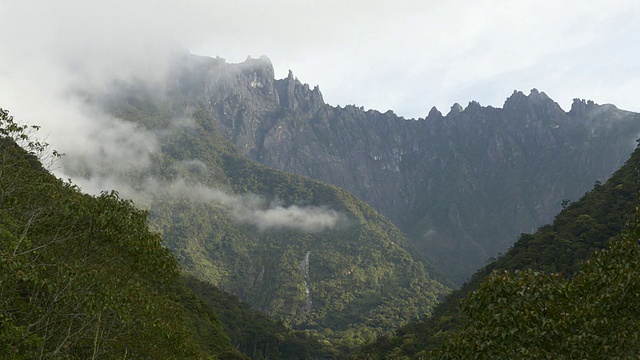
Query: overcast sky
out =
(402, 55)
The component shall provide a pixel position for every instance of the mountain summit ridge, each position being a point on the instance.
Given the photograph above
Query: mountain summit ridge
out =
(444, 176)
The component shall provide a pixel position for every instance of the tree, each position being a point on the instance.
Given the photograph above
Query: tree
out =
(81, 277)
(532, 315)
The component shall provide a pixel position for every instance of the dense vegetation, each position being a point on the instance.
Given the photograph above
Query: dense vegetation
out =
(344, 283)
(255, 334)
(582, 228)
(82, 277)
(531, 315)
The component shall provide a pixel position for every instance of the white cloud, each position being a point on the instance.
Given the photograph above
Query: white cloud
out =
(248, 209)
(52, 49)
(401, 55)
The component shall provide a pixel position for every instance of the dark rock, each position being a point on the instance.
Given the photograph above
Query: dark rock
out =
(462, 189)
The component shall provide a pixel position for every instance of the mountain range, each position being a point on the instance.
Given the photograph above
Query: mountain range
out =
(306, 253)
(337, 226)
(593, 239)
(462, 186)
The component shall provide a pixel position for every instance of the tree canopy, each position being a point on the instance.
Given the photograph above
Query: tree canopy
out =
(83, 277)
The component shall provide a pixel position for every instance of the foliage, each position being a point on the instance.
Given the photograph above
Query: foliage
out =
(254, 333)
(582, 228)
(360, 272)
(528, 314)
(83, 277)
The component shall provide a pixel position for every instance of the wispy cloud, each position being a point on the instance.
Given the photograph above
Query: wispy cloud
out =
(398, 55)
(64, 54)
(250, 209)
(253, 209)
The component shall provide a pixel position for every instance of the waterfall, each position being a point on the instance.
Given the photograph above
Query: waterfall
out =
(304, 266)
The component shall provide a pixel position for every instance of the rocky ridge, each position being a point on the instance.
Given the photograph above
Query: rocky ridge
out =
(463, 185)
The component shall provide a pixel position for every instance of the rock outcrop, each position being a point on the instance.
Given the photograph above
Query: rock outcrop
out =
(462, 186)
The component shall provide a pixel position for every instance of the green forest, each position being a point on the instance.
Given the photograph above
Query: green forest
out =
(100, 277)
(84, 277)
(567, 291)
(364, 280)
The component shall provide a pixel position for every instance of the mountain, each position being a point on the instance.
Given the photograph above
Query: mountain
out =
(84, 277)
(577, 234)
(305, 253)
(463, 185)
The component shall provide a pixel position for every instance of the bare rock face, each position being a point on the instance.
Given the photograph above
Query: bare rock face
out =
(462, 186)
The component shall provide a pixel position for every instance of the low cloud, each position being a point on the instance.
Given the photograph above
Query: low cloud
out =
(306, 219)
(104, 153)
(250, 209)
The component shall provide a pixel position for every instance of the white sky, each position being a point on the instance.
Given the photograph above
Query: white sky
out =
(402, 55)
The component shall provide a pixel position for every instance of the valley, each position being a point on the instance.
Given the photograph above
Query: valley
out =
(278, 226)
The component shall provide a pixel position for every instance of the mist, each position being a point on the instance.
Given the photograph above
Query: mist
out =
(110, 154)
(105, 153)
(247, 208)
(429, 53)
(60, 56)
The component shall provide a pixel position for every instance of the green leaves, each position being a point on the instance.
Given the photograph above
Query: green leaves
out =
(578, 232)
(21, 134)
(81, 277)
(529, 314)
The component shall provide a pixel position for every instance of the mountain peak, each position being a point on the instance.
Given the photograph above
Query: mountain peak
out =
(455, 109)
(516, 98)
(536, 95)
(434, 112)
(519, 99)
(580, 106)
(473, 105)
(260, 60)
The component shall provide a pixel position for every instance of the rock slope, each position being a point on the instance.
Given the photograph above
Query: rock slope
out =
(463, 185)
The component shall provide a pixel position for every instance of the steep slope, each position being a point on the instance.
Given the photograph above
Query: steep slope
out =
(83, 277)
(304, 252)
(578, 231)
(462, 186)
(527, 314)
(254, 333)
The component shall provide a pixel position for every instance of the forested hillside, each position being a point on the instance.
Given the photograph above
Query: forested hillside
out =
(550, 260)
(306, 253)
(82, 277)
(321, 272)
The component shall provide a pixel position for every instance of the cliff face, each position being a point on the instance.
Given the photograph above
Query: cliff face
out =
(463, 185)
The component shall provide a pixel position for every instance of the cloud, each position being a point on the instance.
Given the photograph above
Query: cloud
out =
(59, 50)
(306, 219)
(402, 55)
(248, 208)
